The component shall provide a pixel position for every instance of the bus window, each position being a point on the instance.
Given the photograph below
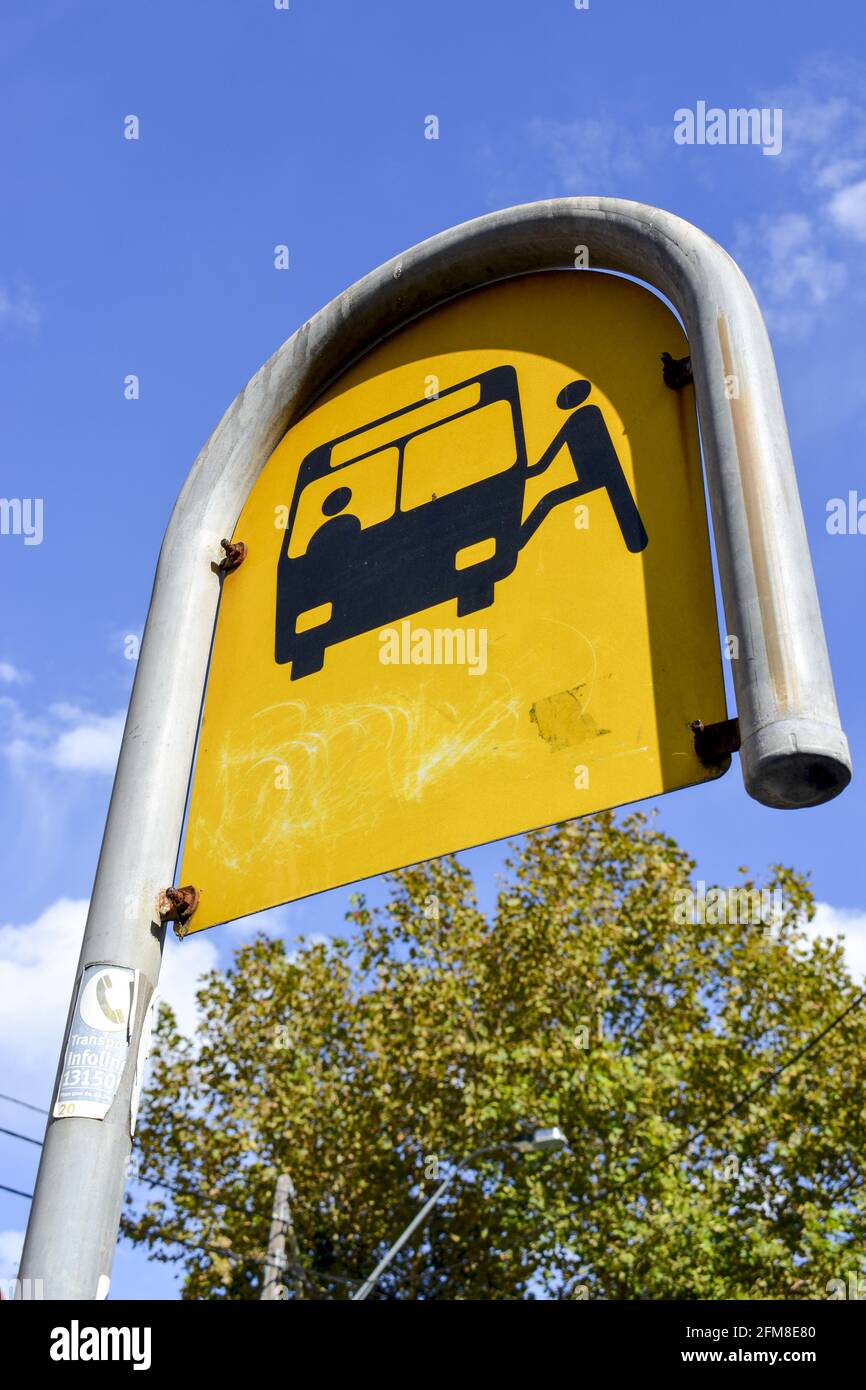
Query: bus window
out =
(458, 453)
(366, 489)
(420, 416)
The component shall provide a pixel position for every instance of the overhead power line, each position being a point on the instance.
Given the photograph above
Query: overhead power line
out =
(254, 1257)
(28, 1139)
(724, 1114)
(16, 1191)
(40, 1110)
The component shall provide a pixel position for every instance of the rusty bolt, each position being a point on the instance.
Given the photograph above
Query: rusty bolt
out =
(235, 554)
(177, 905)
(715, 742)
(676, 371)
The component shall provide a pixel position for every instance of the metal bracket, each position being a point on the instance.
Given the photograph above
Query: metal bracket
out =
(235, 554)
(177, 905)
(676, 371)
(715, 742)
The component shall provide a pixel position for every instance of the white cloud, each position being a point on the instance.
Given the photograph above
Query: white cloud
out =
(91, 745)
(848, 210)
(37, 965)
(37, 962)
(591, 156)
(66, 737)
(800, 259)
(585, 153)
(183, 964)
(10, 675)
(824, 116)
(11, 1245)
(794, 276)
(816, 126)
(839, 172)
(848, 922)
(797, 266)
(16, 725)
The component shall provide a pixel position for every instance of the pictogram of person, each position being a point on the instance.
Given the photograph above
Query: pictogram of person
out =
(596, 464)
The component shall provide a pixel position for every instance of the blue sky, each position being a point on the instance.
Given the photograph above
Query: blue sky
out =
(155, 257)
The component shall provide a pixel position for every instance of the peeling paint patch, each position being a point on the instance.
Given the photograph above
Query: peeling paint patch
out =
(561, 720)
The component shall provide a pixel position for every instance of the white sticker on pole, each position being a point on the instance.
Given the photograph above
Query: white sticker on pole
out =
(141, 1060)
(97, 1042)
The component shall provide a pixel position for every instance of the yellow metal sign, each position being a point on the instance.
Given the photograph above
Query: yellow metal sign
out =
(477, 599)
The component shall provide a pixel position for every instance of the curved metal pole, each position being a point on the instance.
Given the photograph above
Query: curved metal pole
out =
(372, 1279)
(793, 750)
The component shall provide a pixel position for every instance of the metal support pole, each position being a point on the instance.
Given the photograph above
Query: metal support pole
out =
(372, 1279)
(281, 1233)
(420, 1216)
(794, 752)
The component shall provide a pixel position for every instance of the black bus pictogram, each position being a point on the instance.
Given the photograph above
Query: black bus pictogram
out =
(424, 505)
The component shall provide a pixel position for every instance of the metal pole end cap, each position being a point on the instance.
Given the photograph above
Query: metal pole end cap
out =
(795, 763)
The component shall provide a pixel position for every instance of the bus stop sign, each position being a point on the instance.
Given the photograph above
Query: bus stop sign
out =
(469, 593)
(476, 599)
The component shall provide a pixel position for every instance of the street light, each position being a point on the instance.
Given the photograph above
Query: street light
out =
(534, 1140)
(541, 1141)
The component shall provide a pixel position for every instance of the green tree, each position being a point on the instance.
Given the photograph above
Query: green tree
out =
(368, 1067)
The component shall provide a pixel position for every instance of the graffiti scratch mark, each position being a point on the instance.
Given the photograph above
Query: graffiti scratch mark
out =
(293, 775)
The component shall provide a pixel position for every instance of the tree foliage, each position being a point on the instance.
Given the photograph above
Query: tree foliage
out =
(370, 1066)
